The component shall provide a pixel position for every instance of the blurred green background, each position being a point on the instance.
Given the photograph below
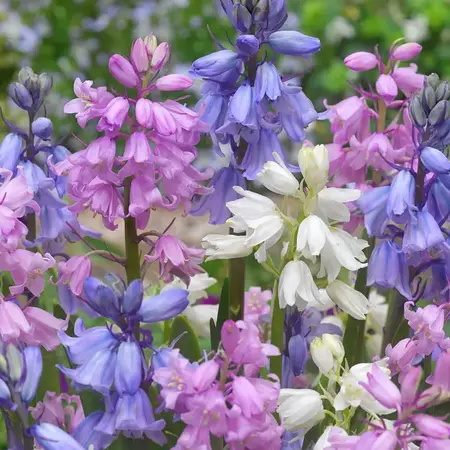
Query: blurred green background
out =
(74, 38)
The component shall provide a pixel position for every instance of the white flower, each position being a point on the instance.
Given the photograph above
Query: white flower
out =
(220, 246)
(197, 286)
(276, 177)
(327, 352)
(348, 299)
(314, 166)
(377, 315)
(296, 286)
(300, 409)
(330, 203)
(334, 320)
(336, 247)
(200, 316)
(353, 394)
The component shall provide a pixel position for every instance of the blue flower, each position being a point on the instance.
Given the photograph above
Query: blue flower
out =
(401, 196)
(421, 232)
(247, 45)
(42, 128)
(128, 373)
(33, 371)
(164, 306)
(268, 82)
(388, 268)
(10, 150)
(215, 203)
(438, 201)
(294, 43)
(223, 66)
(373, 205)
(435, 161)
(51, 437)
(87, 434)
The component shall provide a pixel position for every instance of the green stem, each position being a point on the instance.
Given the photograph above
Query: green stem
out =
(277, 332)
(236, 275)
(133, 260)
(355, 329)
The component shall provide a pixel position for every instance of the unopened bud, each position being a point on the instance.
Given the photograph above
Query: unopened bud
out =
(439, 113)
(443, 91)
(261, 11)
(433, 80)
(20, 95)
(151, 43)
(417, 112)
(46, 83)
(161, 56)
(139, 56)
(314, 165)
(42, 128)
(428, 98)
(15, 363)
(325, 351)
(242, 18)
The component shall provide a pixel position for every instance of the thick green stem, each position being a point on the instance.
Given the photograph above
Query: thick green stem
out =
(354, 330)
(236, 275)
(133, 260)
(277, 332)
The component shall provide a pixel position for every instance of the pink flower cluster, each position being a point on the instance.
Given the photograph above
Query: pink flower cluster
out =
(362, 138)
(159, 142)
(225, 397)
(412, 425)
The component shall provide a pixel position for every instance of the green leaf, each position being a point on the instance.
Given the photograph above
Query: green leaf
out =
(188, 343)
(222, 314)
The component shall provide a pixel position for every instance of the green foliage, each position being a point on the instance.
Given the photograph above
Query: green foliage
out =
(188, 342)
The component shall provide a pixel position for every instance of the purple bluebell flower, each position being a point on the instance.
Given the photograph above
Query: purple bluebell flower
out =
(165, 306)
(435, 161)
(51, 437)
(132, 297)
(373, 205)
(128, 373)
(421, 233)
(223, 66)
(247, 45)
(87, 434)
(101, 298)
(33, 371)
(294, 43)
(401, 196)
(388, 268)
(215, 203)
(10, 150)
(438, 201)
(298, 354)
(287, 443)
(5, 394)
(268, 82)
(42, 128)
(20, 95)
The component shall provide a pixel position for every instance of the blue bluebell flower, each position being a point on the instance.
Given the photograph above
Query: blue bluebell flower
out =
(51, 437)
(438, 201)
(401, 196)
(388, 268)
(10, 150)
(247, 45)
(87, 433)
(223, 66)
(165, 306)
(128, 373)
(268, 82)
(373, 205)
(42, 128)
(21, 96)
(421, 233)
(435, 161)
(33, 371)
(294, 43)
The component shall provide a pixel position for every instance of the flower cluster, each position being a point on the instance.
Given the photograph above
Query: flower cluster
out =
(224, 396)
(246, 102)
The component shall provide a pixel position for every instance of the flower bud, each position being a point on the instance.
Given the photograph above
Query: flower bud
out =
(433, 80)
(33, 362)
(439, 113)
(428, 98)
(262, 10)
(5, 394)
(24, 75)
(247, 44)
(173, 82)
(348, 299)
(20, 95)
(325, 351)
(443, 91)
(293, 43)
(122, 70)
(10, 150)
(406, 52)
(441, 375)
(45, 86)
(361, 61)
(386, 87)
(144, 114)
(160, 56)
(139, 56)
(242, 18)
(314, 166)
(278, 179)
(42, 128)
(151, 43)
(15, 363)
(417, 113)
(300, 409)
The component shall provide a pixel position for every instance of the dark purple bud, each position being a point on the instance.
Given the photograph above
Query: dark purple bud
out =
(20, 95)
(42, 128)
(247, 45)
(298, 354)
(443, 91)
(428, 98)
(242, 18)
(439, 113)
(433, 80)
(417, 112)
(133, 297)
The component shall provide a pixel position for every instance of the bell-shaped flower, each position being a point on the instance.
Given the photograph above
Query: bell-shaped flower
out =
(300, 409)
(314, 166)
(348, 299)
(294, 43)
(296, 286)
(435, 161)
(421, 233)
(51, 437)
(220, 246)
(276, 177)
(327, 351)
(165, 306)
(33, 369)
(129, 368)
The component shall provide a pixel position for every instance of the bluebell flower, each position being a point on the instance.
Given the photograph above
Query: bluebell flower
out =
(287, 444)
(42, 127)
(215, 203)
(51, 437)
(242, 107)
(298, 354)
(438, 201)
(87, 434)
(165, 306)
(5, 394)
(268, 82)
(373, 205)
(10, 150)
(21, 96)
(421, 233)
(101, 298)
(401, 196)
(58, 154)
(294, 43)
(247, 45)
(132, 297)
(128, 373)
(435, 161)
(223, 66)
(388, 268)
(33, 371)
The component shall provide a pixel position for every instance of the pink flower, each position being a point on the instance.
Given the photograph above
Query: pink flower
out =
(175, 258)
(386, 87)
(256, 304)
(401, 356)
(406, 52)
(28, 271)
(139, 57)
(173, 83)
(44, 328)
(431, 426)
(408, 80)
(160, 56)
(90, 102)
(361, 61)
(114, 115)
(138, 148)
(122, 70)
(246, 397)
(12, 320)
(441, 374)
(144, 112)
(74, 271)
(64, 411)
